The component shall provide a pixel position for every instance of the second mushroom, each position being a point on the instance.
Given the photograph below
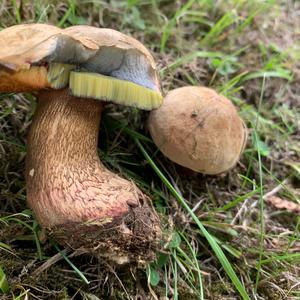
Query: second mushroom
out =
(199, 129)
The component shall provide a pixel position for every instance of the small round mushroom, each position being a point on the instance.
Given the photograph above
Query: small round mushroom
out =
(75, 71)
(198, 129)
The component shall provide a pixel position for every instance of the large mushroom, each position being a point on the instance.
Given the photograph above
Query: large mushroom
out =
(198, 129)
(80, 202)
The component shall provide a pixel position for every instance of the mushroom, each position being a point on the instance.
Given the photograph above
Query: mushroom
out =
(74, 72)
(199, 129)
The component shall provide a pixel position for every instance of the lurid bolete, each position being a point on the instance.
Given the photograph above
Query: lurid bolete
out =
(79, 201)
(198, 129)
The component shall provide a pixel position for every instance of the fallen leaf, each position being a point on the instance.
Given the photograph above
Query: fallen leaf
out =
(283, 204)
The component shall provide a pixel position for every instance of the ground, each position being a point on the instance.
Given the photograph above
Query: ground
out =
(247, 50)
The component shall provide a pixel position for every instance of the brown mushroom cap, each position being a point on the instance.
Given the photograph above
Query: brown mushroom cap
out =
(198, 129)
(26, 44)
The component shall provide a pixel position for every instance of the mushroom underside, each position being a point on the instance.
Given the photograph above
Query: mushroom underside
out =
(124, 64)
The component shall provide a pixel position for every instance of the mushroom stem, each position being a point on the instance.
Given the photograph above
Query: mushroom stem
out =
(64, 131)
(70, 191)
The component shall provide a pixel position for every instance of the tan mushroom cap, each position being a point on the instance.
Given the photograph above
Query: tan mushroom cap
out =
(107, 50)
(198, 129)
(96, 38)
(23, 45)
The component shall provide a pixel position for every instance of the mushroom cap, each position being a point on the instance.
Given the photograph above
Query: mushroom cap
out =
(198, 129)
(26, 44)
(97, 50)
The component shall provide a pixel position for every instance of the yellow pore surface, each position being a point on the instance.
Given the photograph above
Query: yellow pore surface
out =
(106, 88)
(59, 74)
(81, 84)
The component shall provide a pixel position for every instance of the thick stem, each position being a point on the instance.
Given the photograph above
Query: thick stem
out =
(69, 189)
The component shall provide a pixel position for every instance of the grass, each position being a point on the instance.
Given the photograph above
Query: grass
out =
(261, 199)
(225, 241)
(211, 240)
(4, 286)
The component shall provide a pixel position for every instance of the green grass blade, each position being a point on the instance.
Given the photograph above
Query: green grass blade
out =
(261, 199)
(238, 200)
(78, 272)
(175, 275)
(284, 74)
(214, 245)
(212, 36)
(190, 57)
(196, 263)
(35, 228)
(293, 257)
(4, 286)
(17, 11)
(172, 23)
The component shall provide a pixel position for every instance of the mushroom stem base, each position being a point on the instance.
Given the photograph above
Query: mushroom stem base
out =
(79, 201)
